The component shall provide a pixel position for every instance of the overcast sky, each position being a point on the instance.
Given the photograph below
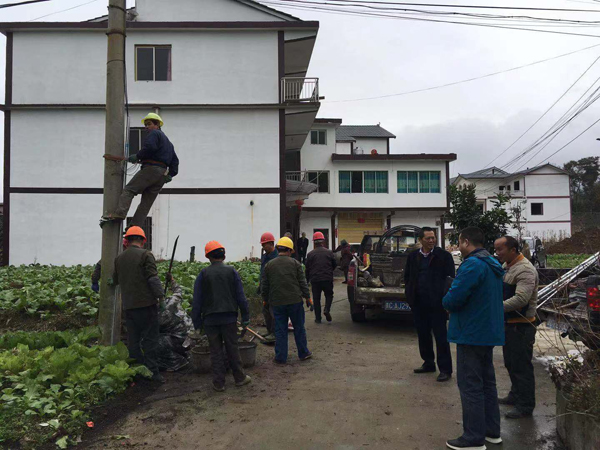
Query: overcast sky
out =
(358, 57)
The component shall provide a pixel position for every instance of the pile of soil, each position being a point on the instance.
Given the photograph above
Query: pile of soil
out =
(586, 241)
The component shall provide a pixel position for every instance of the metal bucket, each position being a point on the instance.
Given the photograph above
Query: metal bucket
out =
(201, 359)
(247, 353)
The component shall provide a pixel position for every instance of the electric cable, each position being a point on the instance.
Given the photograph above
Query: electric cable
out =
(63, 10)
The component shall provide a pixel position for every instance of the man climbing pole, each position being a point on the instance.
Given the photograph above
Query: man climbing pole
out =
(159, 165)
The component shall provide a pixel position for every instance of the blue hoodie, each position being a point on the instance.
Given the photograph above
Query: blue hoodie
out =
(475, 302)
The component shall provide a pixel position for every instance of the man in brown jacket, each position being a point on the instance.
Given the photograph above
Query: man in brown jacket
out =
(142, 292)
(520, 301)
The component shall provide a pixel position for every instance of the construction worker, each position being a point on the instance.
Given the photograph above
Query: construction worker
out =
(346, 258)
(159, 165)
(142, 293)
(283, 285)
(218, 294)
(267, 240)
(320, 265)
(302, 248)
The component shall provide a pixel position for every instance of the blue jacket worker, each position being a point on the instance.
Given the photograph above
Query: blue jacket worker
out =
(476, 325)
(159, 165)
(218, 294)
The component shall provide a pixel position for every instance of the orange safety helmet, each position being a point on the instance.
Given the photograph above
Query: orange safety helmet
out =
(211, 247)
(267, 237)
(135, 231)
(318, 236)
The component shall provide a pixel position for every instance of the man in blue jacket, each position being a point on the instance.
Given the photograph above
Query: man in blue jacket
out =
(476, 325)
(218, 295)
(159, 165)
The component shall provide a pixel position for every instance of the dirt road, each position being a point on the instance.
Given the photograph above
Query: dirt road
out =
(359, 391)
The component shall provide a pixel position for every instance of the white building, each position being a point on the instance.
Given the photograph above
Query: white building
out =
(543, 193)
(362, 188)
(227, 77)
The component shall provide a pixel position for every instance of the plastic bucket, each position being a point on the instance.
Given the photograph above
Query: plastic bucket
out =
(247, 353)
(201, 359)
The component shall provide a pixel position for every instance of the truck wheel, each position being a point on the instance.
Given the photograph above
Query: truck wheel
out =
(356, 312)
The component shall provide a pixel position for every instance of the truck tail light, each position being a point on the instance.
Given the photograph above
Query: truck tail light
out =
(351, 274)
(593, 298)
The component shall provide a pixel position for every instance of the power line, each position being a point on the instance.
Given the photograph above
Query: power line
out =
(438, 5)
(28, 2)
(63, 10)
(466, 80)
(545, 112)
(375, 15)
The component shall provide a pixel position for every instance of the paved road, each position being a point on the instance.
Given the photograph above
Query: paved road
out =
(357, 392)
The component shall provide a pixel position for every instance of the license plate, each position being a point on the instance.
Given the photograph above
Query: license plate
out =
(396, 306)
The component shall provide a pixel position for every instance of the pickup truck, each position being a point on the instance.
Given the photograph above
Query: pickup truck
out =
(382, 258)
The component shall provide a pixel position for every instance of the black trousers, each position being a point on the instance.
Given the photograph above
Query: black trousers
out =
(518, 353)
(428, 320)
(217, 336)
(269, 319)
(319, 287)
(142, 335)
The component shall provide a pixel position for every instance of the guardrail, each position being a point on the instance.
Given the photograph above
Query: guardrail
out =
(300, 90)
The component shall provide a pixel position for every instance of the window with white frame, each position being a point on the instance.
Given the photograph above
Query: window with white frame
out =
(137, 136)
(318, 137)
(321, 179)
(153, 63)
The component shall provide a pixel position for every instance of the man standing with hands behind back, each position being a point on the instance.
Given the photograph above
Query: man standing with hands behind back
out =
(425, 278)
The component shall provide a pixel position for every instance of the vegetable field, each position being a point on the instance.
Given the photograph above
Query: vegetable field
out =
(565, 261)
(50, 381)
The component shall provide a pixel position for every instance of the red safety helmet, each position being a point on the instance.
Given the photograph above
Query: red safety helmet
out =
(267, 237)
(318, 236)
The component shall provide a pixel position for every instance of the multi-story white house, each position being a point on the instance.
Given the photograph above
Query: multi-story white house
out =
(228, 79)
(364, 189)
(543, 193)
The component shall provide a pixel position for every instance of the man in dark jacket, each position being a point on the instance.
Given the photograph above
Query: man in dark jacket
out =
(425, 279)
(141, 292)
(320, 265)
(346, 257)
(283, 287)
(218, 294)
(159, 165)
(302, 248)
(476, 325)
(267, 240)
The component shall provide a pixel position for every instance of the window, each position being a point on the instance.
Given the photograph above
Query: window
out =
(376, 182)
(517, 185)
(537, 209)
(501, 188)
(370, 182)
(136, 139)
(318, 137)
(321, 179)
(481, 207)
(153, 63)
(424, 182)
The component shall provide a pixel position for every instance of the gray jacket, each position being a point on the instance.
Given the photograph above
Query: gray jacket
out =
(525, 278)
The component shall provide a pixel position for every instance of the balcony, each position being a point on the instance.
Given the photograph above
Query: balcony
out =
(299, 90)
(298, 186)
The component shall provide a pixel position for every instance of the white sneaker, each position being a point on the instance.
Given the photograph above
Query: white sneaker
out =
(493, 440)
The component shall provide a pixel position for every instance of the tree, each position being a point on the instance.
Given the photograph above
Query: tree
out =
(516, 211)
(585, 179)
(464, 212)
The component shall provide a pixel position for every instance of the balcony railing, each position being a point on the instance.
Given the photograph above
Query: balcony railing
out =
(299, 90)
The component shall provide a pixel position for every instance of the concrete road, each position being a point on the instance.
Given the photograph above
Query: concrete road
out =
(358, 392)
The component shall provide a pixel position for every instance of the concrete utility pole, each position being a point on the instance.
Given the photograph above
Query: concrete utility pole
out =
(110, 306)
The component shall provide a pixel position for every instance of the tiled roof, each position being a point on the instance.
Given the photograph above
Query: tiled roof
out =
(351, 132)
